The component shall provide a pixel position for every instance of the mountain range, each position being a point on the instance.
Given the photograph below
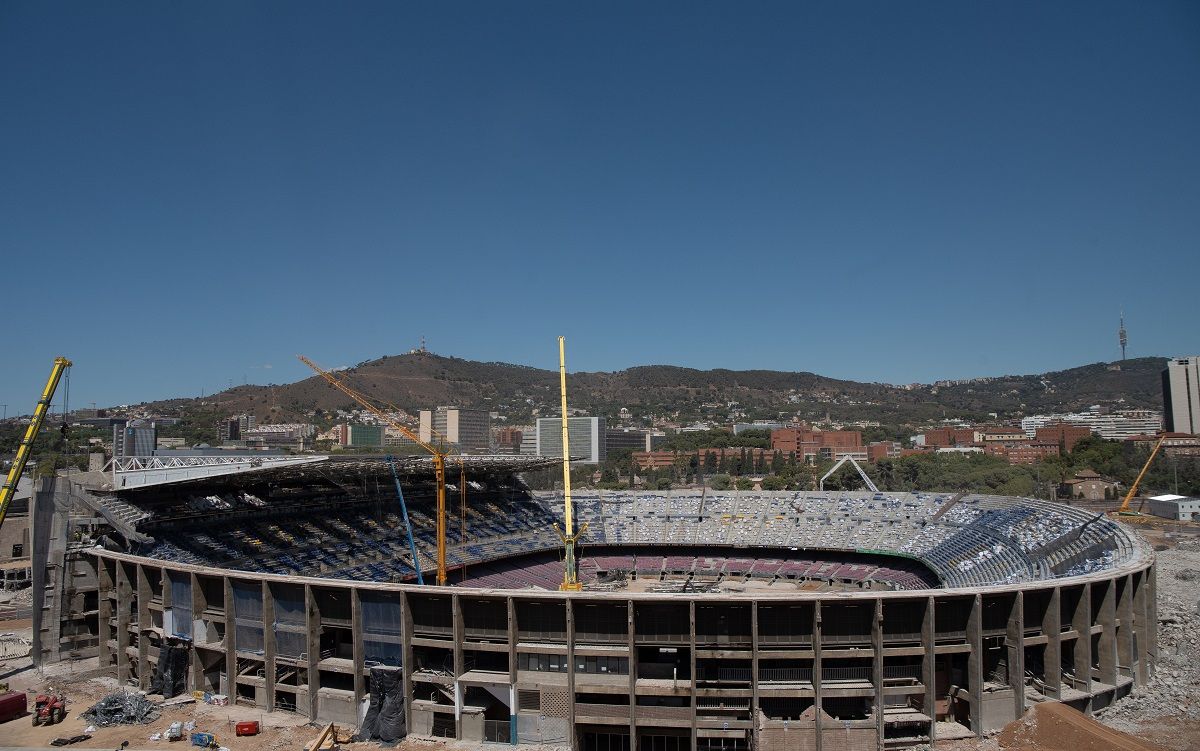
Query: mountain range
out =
(420, 380)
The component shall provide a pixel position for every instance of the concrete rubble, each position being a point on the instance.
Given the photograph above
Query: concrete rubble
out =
(1174, 691)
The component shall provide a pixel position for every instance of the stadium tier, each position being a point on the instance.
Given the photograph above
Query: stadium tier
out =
(708, 620)
(963, 540)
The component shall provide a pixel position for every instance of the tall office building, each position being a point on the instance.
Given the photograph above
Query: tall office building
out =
(585, 434)
(135, 438)
(1181, 395)
(468, 429)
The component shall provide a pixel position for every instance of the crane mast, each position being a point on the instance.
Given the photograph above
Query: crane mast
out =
(439, 459)
(569, 536)
(1124, 510)
(31, 433)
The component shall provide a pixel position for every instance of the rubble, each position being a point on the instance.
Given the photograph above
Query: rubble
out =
(1174, 690)
(122, 708)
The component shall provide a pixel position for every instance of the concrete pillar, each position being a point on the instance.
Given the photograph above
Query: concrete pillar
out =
(929, 666)
(144, 622)
(692, 651)
(1140, 628)
(753, 667)
(877, 667)
(512, 669)
(1107, 644)
(633, 671)
(975, 664)
(406, 647)
(1125, 640)
(356, 648)
(104, 605)
(199, 605)
(312, 649)
(268, 625)
(818, 696)
(1081, 620)
(1151, 620)
(572, 736)
(125, 599)
(230, 641)
(1052, 656)
(1015, 641)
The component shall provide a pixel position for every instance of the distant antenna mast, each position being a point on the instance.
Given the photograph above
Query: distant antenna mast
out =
(1121, 337)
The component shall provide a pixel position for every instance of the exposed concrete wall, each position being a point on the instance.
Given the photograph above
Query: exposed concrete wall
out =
(132, 595)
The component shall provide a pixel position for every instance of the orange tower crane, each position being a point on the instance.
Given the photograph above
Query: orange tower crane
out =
(439, 458)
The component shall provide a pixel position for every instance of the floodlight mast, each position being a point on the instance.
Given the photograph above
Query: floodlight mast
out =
(569, 536)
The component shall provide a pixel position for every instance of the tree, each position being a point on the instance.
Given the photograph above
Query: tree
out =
(662, 483)
(774, 482)
(745, 483)
(720, 482)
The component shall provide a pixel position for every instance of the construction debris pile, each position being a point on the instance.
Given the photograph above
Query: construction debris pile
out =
(122, 708)
(1175, 688)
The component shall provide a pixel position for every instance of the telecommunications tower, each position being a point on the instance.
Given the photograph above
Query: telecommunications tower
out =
(1121, 337)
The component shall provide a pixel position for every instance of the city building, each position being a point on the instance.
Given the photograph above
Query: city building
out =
(135, 438)
(741, 427)
(358, 436)
(810, 444)
(295, 436)
(883, 450)
(1181, 395)
(1088, 485)
(1030, 453)
(1063, 434)
(468, 430)
(943, 437)
(1178, 507)
(1115, 426)
(1003, 436)
(616, 439)
(229, 429)
(585, 434)
(529, 442)
(507, 440)
(655, 459)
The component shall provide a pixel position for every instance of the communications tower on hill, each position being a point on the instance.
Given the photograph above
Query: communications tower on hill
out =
(1121, 337)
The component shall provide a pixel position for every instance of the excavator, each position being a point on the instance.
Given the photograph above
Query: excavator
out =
(1123, 511)
(31, 434)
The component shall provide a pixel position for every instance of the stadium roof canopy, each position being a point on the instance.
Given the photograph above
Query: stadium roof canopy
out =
(132, 474)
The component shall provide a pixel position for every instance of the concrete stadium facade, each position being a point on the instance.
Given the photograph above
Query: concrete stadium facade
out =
(847, 670)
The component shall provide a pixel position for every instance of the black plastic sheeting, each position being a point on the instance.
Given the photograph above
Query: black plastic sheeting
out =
(385, 714)
(122, 708)
(170, 679)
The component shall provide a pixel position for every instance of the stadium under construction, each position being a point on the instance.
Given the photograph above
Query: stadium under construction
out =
(706, 620)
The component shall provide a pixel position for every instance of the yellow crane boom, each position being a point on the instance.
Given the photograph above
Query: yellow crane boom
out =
(569, 536)
(1133, 488)
(439, 458)
(31, 433)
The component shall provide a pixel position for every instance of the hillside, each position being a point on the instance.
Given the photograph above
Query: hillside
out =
(415, 381)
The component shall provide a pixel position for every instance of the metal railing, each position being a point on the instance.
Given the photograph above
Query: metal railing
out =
(785, 675)
(738, 675)
(497, 731)
(845, 674)
(902, 672)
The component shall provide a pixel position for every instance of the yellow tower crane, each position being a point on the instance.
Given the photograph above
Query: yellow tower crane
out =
(439, 459)
(31, 433)
(569, 536)
(1124, 509)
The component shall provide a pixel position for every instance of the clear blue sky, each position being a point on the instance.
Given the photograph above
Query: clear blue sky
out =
(192, 193)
